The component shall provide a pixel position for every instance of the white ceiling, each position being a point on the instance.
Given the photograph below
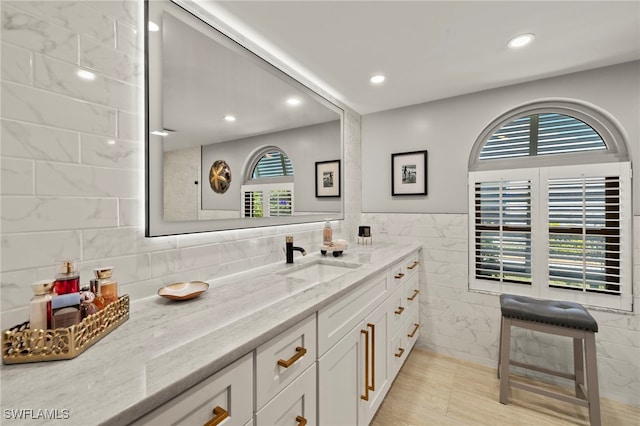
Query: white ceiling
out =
(434, 49)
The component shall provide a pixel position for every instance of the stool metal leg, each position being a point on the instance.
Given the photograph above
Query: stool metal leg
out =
(578, 366)
(505, 347)
(592, 378)
(500, 347)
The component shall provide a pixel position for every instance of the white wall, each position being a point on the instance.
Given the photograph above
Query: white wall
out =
(67, 192)
(448, 129)
(466, 324)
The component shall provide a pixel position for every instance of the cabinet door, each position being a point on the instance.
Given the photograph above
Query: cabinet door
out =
(227, 396)
(341, 381)
(295, 405)
(378, 326)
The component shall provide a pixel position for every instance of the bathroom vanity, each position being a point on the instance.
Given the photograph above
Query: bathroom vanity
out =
(320, 340)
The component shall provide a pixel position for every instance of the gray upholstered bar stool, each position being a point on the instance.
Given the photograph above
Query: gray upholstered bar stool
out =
(553, 317)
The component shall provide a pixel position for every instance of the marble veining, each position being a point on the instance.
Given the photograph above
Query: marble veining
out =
(167, 347)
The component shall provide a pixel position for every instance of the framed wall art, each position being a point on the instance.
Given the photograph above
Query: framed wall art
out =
(328, 178)
(409, 173)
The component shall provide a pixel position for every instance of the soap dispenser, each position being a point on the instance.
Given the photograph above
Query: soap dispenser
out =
(327, 233)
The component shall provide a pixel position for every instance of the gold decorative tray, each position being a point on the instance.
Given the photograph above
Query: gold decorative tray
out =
(20, 344)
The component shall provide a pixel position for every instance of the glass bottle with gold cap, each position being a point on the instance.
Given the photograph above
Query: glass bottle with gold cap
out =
(107, 286)
(67, 278)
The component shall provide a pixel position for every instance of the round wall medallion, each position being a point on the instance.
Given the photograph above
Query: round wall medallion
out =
(220, 176)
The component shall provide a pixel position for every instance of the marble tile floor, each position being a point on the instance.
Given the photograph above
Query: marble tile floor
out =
(435, 389)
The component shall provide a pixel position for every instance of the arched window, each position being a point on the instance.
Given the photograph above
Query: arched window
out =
(268, 188)
(550, 206)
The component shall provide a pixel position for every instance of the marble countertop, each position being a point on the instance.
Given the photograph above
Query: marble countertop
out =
(167, 347)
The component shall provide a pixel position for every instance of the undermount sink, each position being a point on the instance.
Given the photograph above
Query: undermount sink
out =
(319, 270)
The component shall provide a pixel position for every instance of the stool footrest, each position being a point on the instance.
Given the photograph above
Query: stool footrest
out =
(543, 370)
(545, 392)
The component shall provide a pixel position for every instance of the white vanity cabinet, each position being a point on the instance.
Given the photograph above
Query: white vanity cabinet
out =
(224, 397)
(356, 365)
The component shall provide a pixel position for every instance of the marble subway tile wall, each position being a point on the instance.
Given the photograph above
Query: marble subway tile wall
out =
(72, 166)
(466, 324)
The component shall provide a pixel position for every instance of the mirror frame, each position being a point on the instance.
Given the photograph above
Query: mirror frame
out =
(155, 225)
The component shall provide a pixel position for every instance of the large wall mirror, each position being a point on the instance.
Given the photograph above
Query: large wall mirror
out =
(231, 141)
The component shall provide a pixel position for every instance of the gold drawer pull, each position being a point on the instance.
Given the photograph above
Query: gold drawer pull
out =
(400, 352)
(398, 275)
(415, 330)
(400, 310)
(415, 263)
(373, 357)
(415, 293)
(301, 421)
(300, 352)
(219, 414)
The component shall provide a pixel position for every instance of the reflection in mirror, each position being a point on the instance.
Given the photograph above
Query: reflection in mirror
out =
(214, 109)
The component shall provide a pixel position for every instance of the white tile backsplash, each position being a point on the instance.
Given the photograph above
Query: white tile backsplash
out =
(38, 106)
(37, 35)
(16, 64)
(16, 176)
(80, 180)
(31, 141)
(110, 61)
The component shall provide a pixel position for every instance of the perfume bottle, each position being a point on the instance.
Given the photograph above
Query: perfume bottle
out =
(98, 300)
(327, 234)
(67, 278)
(108, 287)
(87, 307)
(40, 305)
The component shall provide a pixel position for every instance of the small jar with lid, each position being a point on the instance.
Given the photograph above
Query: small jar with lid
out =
(67, 278)
(106, 285)
(40, 305)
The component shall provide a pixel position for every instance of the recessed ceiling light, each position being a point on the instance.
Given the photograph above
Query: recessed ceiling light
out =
(111, 141)
(293, 101)
(377, 79)
(521, 40)
(230, 118)
(86, 75)
(160, 133)
(153, 26)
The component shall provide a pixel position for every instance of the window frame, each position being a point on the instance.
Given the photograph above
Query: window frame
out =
(613, 161)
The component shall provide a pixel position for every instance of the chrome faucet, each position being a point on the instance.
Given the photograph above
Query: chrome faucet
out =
(290, 249)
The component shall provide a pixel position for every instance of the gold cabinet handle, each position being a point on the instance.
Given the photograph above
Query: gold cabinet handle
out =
(398, 275)
(301, 421)
(400, 352)
(366, 365)
(415, 330)
(300, 351)
(415, 294)
(373, 356)
(400, 310)
(219, 414)
(415, 263)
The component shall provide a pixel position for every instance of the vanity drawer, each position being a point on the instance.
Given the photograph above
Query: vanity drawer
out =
(412, 327)
(398, 310)
(412, 291)
(338, 318)
(296, 404)
(405, 268)
(228, 391)
(283, 358)
(398, 351)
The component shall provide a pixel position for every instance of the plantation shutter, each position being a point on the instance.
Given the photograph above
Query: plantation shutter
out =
(541, 134)
(253, 204)
(502, 229)
(280, 202)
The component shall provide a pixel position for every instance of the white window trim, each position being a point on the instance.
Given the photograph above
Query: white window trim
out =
(540, 233)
